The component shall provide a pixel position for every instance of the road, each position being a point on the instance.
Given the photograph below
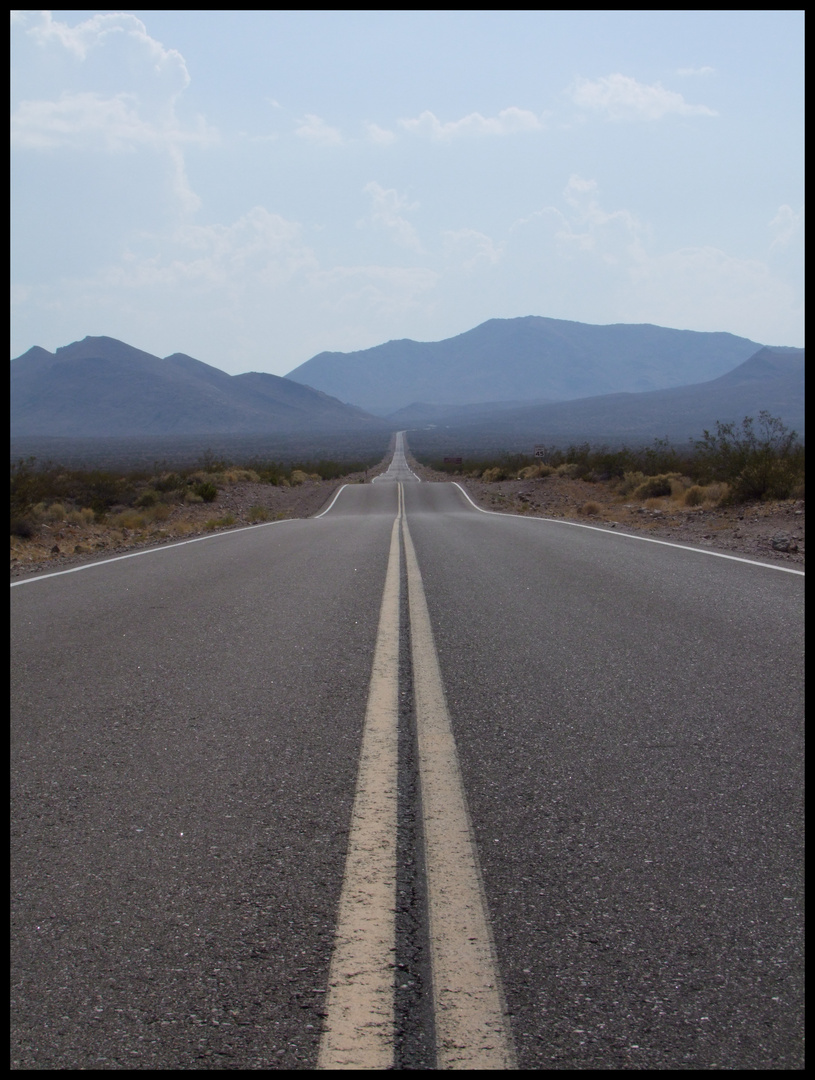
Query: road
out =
(558, 771)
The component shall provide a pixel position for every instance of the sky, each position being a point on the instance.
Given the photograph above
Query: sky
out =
(252, 188)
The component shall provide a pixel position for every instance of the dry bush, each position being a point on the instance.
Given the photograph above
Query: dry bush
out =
(258, 513)
(221, 522)
(590, 509)
(492, 476)
(234, 476)
(535, 472)
(84, 516)
(630, 482)
(569, 469)
(717, 493)
(654, 487)
(707, 495)
(694, 496)
(127, 519)
(679, 485)
(56, 512)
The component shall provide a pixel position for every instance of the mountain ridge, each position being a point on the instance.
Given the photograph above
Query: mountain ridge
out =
(527, 357)
(102, 387)
(772, 380)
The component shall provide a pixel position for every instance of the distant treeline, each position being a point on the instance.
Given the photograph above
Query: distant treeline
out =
(187, 451)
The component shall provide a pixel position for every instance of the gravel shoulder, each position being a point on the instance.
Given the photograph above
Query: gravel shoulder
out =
(772, 532)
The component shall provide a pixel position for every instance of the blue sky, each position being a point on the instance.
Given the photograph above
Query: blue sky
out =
(254, 187)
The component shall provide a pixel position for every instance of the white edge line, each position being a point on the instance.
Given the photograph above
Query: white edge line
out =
(166, 547)
(337, 495)
(152, 550)
(633, 536)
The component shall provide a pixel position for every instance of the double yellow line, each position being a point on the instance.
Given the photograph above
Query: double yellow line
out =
(470, 1020)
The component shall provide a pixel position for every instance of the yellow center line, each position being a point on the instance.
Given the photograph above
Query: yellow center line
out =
(470, 1015)
(358, 1030)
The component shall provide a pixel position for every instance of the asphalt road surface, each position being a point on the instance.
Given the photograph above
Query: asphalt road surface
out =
(408, 785)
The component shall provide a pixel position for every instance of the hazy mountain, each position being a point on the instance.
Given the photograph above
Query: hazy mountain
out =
(527, 359)
(771, 379)
(102, 387)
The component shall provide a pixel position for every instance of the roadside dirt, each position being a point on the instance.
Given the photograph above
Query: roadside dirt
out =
(61, 545)
(772, 531)
(767, 531)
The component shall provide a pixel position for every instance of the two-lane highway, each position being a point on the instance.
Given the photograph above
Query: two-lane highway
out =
(578, 751)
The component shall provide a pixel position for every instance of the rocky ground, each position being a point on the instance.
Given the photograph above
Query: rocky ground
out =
(767, 531)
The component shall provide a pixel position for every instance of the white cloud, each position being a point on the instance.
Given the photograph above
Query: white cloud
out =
(622, 98)
(581, 249)
(380, 135)
(143, 116)
(385, 212)
(82, 39)
(261, 248)
(382, 290)
(471, 249)
(90, 120)
(508, 122)
(786, 225)
(315, 130)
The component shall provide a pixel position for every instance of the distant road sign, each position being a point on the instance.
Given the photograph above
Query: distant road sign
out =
(453, 461)
(540, 451)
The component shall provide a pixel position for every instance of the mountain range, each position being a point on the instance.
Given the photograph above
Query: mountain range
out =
(772, 379)
(530, 359)
(101, 387)
(552, 381)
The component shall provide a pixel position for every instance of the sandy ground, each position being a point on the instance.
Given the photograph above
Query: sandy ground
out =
(768, 531)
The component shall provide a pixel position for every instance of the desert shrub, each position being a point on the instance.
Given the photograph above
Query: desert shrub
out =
(493, 475)
(127, 519)
(590, 509)
(694, 496)
(718, 493)
(679, 485)
(298, 476)
(84, 516)
(570, 469)
(535, 472)
(630, 482)
(24, 528)
(167, 482)
(221, 522)
(258, 513)
(234, 476)
(654, 487)
(147, 498)
(767, 462)
(206, 491)
(56, 512)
